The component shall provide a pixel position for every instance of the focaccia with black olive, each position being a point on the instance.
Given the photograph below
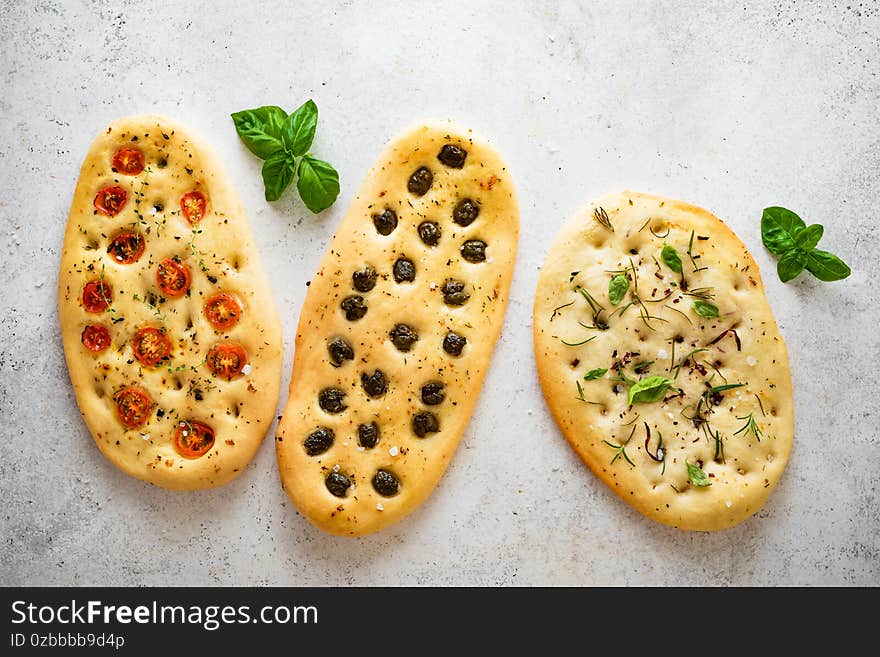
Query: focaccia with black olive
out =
(397, 330)
(661, 361)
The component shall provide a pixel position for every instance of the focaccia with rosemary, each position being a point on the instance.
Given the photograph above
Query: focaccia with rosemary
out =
(170, 331)
(397, 330)
(661, 361)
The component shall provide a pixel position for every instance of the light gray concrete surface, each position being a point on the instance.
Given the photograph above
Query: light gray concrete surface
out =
(732, 106)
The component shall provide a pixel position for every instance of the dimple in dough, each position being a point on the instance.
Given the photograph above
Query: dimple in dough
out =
(417, 463)
(742, 460)
(221, 256)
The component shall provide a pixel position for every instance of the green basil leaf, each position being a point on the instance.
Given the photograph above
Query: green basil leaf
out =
(705, 309)
(826, 266)
(809, 237)
(790, 264)
(597, 373)
(671, 258)
(617, 287)
(697, 476)
(318, 183)
(778, 226)
(260, 129)
(649, 389)
(299, 128)
(278, 170)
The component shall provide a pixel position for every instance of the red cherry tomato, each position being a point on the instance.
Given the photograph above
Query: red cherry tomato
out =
(109, 200)
(97, 296)
(151, 346)
(226, 360)
(193, 439)
(126, 247)
(223, 311)
(133, 405)
(173, 277)
(194, 206)
(129, 161)
(96, 338)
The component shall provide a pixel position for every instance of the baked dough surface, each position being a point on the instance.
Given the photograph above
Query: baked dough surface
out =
(701, 423)
(415, 463)
(221, 256)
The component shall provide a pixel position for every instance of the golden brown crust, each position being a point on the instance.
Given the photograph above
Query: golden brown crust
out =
(418, 463)
(619, 442)
(221, 256)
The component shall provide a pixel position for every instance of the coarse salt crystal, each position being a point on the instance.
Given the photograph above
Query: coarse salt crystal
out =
(361, 448)
(336, 468)
(433, 286)
(751, 361)
(661, 353)
(728, 504)
(246, 369)
(379, 506)
(145, 436)
(394, 451)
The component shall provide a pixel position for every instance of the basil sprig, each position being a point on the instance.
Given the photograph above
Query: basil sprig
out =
(785, 234)
(649, 389)
(283, 141)
(696, 475)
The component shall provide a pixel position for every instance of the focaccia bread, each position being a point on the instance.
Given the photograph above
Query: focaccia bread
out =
(397, 331)
(170, 330)
(661, 361)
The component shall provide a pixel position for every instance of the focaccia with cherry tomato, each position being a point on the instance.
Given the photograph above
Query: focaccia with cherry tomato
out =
(170, 330)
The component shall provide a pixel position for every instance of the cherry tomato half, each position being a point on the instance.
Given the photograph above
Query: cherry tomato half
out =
(226, 360)
(96, 338)
(97, 296)
(109, 200)
(126, 247)
(173, 277)
(194, 206)
(193, 439)
(129, 161)
(151, 346)
(133, 405)
(223, 311)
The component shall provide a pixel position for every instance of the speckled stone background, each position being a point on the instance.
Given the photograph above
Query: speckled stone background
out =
(733, 107)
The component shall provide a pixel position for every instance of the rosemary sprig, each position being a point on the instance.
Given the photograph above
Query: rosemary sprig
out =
(596, 308)
(576, 344)
(719, 447)
(685, 359)
(558, 308)
(621, 449)
(659, 454)
(691, 256)
(750, 426)
(581, 395)
(601, 216)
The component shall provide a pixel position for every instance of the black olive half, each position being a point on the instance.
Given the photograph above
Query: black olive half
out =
(340, 351)
(338, 484)
(353, 307)
(429, 231)
(385, 483)
(420, 181)
(453, 292)
(424, 423)
(319, 441)
(404, 270)
(364, 279)
(433, 393)
(453, 343)
(385, 222)
(465, 212)
(403, 336)
(452, 156)
(374, 384)
(332, 400)
(474, 251)
(368, 435)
